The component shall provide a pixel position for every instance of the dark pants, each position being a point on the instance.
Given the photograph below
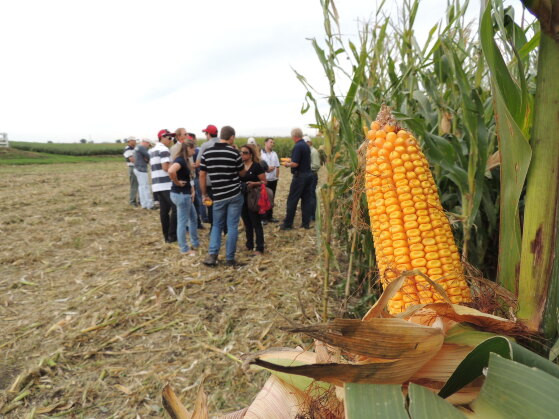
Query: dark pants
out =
(272, 184)
(300, 189)
(167, 215)
(253, 225)
(200, 208)
(313, 195)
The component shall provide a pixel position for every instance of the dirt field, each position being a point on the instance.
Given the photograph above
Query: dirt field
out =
(97, 313)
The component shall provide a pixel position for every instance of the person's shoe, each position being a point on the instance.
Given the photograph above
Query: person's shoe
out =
(284, 227)
(264, 222)
(273, 220)
(211, 260)
(189, 253)
(306, 227)
(234, 263)
(170, 240)
(201, 227)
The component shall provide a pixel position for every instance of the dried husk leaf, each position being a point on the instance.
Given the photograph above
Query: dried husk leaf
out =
(463, 314)
(390, 339)
(239, 414)
(291, 358)
(276, 400)
(390, 291)
(297, 357)
(387, 372)
(443, 364)
(201, 405)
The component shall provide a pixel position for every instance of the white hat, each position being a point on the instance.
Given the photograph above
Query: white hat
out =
(131, 138)
(251, 140)
(307, 139)
(147, 140)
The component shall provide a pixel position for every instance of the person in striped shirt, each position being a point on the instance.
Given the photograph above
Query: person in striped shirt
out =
(223, 165)
(160, 160)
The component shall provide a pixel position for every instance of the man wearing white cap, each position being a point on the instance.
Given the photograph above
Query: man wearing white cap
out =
(141, 161)
(129, 157)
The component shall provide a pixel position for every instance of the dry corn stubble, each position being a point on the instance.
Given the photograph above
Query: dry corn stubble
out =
(98, 314)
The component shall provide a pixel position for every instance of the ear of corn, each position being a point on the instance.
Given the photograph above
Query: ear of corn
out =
(410, 229)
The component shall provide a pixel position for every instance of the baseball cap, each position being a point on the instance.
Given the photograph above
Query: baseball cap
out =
(164, 132)
(131, 138)
(251, 140)
(307, 139)
(211, 129)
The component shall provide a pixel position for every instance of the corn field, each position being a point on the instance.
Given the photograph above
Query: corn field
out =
(441, 90)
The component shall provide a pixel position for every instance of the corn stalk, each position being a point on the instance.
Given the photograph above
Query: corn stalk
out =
(539, 264)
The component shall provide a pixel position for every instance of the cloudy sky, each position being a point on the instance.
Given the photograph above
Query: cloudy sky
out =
(104, 70)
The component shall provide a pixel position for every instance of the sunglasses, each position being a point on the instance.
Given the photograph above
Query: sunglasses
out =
(245, 152)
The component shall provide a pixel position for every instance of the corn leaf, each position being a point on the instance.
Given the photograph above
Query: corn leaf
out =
(424, 404)
(515, 390)
(554, 351)
(371, 401)
(510, 111)
(472, 366)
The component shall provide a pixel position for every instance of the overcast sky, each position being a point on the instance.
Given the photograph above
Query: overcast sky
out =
(104, 70)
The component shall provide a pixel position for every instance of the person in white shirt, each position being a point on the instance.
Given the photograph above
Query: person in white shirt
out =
(129, 157)
(272, 174)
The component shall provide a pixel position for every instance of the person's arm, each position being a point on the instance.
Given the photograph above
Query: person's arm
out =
(203, 183)
(175, 167)
(165, 159)
(295, 157)
(129, 155)
(199, 157)
(241, 166)
(276, 161)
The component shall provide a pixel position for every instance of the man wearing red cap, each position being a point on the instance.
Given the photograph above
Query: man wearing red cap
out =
(160, 160)
(211, 137)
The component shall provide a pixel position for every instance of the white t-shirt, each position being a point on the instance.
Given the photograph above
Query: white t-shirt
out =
(272, 159)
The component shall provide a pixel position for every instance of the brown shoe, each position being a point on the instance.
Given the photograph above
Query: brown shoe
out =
(211, 260)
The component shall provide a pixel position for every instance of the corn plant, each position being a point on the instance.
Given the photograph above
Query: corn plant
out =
(528, 263)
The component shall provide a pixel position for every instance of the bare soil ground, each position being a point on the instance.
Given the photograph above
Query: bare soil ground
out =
(97, 313)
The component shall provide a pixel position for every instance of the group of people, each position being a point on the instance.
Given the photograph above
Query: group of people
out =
(218, 183)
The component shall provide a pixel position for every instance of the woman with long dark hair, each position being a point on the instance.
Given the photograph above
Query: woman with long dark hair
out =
(182, 194)
(254, 177)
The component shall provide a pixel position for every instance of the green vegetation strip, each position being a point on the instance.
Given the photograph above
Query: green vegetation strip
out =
(11, 156)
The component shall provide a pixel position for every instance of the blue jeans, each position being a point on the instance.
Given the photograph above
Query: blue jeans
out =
(226, 212)
(185, 208)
